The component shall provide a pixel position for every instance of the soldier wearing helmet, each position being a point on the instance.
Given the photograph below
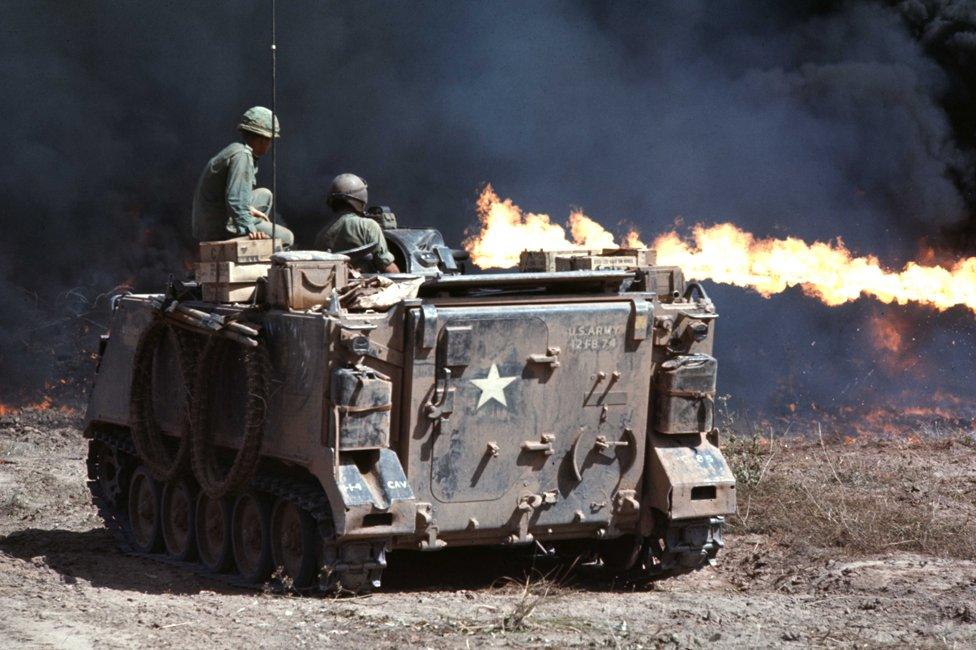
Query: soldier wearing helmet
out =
(226, 204)
(351, 230)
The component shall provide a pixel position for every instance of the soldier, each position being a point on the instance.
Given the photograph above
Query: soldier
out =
(347, 198)
(226, 204)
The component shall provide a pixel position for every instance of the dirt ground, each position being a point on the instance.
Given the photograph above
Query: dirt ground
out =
(867, 574)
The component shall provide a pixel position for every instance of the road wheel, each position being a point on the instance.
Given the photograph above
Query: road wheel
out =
(144, 520)
(252, 537)
(295, 543)
(177, 519)
(212, 526)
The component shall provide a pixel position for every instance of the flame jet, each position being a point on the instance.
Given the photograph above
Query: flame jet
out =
(727, 254)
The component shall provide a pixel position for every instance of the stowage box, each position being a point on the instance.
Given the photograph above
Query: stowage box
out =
(302, 280)
(362, 401)
(685, 395)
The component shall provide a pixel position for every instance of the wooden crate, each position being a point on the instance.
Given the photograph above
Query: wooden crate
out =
(228, 292)
(596, 262)
(578, 260)
(239, 251)
(543, 261)
(230, 272)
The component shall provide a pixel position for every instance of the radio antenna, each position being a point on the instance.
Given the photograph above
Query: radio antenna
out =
(274, 133)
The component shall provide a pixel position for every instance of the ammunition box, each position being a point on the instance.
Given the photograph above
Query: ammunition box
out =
(595, 262)
(665, 281)
(305, 280)
(230, 272)
(542, 261)
(585, 260)
(239, 251)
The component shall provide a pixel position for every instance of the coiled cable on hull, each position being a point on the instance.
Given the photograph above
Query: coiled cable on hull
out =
(215, 477)
(164, 456)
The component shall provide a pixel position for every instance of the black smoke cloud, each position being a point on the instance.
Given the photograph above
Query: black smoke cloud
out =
(816, 119)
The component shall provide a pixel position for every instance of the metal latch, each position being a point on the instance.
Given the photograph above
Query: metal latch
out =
(428, 326)
(640, 311)
(527, 505)
(663, 327)
(534, 501)
(446, 257)
(441, 403)
(426, 525)
(545, 444)
(551, 357)
(357, 327)
(626, 502)
(455, 346)
(601, 442)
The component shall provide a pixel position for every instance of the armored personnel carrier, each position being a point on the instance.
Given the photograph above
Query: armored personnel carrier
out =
(283, 413)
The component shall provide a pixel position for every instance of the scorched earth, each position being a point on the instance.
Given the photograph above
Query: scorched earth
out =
(864, 544)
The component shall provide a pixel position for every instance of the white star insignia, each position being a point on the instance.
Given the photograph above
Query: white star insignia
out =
(492, 387)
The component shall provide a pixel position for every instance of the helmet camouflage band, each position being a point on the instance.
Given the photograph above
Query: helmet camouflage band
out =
(350, 189)
(258, 120)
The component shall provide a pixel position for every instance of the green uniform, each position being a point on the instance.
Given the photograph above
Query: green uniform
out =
(223, 198)
(351, 230)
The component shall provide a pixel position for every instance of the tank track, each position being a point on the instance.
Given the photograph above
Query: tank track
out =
(683, 547)
(674, 548)
(345, 568)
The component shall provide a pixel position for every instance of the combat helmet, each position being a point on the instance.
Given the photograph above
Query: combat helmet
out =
(257, 119)
(350, 189)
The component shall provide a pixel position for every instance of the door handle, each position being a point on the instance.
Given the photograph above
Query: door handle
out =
(551, 358)
(441, 403)
(601, 442)
(544, 445)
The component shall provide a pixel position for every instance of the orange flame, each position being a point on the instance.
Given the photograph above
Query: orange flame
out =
(46, 403)
(727, 254)
(829, 272)
(506, 231)
(588, 233)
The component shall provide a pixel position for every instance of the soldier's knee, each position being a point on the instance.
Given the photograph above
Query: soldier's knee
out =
(286, 236)
(262, 199)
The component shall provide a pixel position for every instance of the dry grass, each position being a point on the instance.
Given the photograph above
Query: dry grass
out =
(863, 497)
(532, 593)
(535, 588)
